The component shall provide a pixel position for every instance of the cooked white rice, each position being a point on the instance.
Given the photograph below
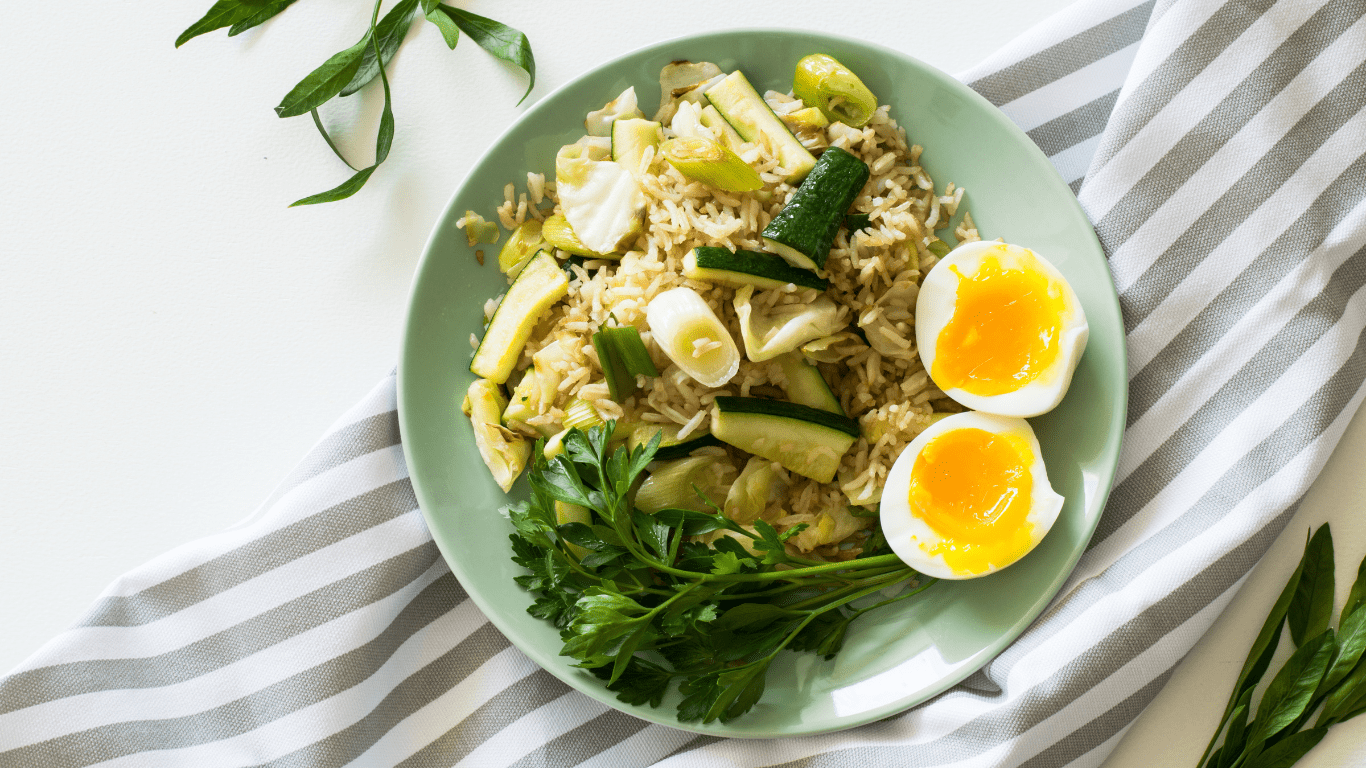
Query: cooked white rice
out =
(874, 275)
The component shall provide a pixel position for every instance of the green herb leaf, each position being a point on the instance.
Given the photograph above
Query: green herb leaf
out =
(602, 620)
(823, 635)
(389, 33)
(340, 192)
(223, 13)
(1346, 696)
(324, 82)
(692, 523)
(266, 13)
(1288, 751)
(1351, 645)
(641, 682)
(318, 121)
(1237, 733)
(723, 563)
(1292, 689)
(1312, 606)
(498, 39)
(1259, 656)
(1357, 596)
(752, 615)
(449, 31)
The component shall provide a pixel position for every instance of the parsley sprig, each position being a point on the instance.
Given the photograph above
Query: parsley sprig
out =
(350, 70)
(642, 604)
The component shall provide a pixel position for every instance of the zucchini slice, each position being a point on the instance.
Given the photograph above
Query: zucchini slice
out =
(630, 138)
(803, 231)
(802, 439)
(540, 284)
(806, 386)
(751, 117)
(761, 270)
(670, 447)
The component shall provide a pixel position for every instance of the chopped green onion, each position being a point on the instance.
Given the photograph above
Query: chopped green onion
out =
(557, 232)
(627, 343)
(477, 230)
(938, 248)
(828, 85)
(712, 164)
(856, 221)
(581, 414)
(520, 247)
(620, 382)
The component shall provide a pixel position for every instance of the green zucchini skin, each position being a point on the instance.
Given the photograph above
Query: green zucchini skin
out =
(762, 270)
(764, 407)
(683, 449)
(806, 227)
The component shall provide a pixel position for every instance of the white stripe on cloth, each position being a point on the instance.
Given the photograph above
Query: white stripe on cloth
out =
(311, 724)
(246, 676)
(1107, 185)
(1071, 163)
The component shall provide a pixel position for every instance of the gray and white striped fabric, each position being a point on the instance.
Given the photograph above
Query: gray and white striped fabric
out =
(1218, 148)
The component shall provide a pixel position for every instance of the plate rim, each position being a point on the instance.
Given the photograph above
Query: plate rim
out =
(1113, 443)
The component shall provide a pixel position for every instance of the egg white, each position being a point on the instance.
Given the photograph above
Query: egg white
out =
(935, 307)
(910, 537)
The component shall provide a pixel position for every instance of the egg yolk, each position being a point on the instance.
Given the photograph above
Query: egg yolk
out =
(1004, 330)
(972, 487)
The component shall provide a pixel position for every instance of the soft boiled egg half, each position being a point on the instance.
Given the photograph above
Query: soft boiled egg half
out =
(968, 497)
(999, 329)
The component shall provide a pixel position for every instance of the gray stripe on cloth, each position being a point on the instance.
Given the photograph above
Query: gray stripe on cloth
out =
(1058, 61)
(1066, 131)
(1253, 378)
(414, 692)
(1170, 78)
(497, 713)
(1225, 310)
(350, 442)
(1244, 197)
(1097, 731)
(1075, 186)
(256, 557)
(1084, 672)
(584, 742)
(35, 686)
(254, 710)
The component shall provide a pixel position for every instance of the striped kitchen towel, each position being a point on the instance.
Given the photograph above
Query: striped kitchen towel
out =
(1220, 150)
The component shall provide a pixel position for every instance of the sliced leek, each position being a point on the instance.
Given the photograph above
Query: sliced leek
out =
(707, 161)
(581, 414)
(477, 230)
(692, 336)
(624, 107)
(675, 484)
(938, 248)
(520, 247)
(822, 82)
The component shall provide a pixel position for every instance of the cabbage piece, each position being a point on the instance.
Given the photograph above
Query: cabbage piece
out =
(623, 107)
(504, 452)
(671, 485)
(895, 305)
(536, 392)
(828, 528)
(601, 200)
(832, 349)
(773, 331)
(683, 80)
(759, 484)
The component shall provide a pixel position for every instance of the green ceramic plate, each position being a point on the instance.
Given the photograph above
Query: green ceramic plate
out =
(892, 659)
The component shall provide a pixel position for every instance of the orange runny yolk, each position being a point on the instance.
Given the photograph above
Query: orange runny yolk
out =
(1004, 330)
(972, 487)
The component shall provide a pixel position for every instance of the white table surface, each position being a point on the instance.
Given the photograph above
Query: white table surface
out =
(175, 338)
